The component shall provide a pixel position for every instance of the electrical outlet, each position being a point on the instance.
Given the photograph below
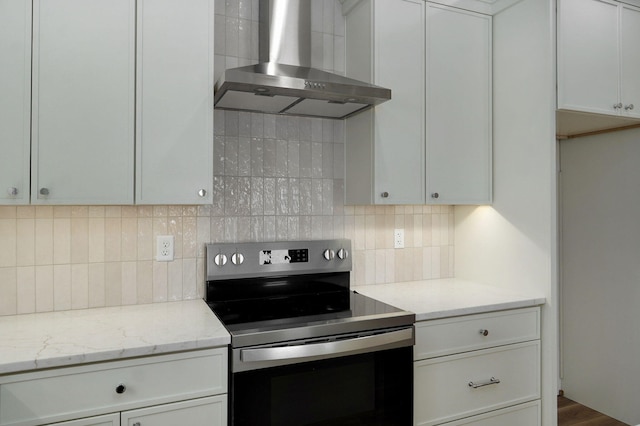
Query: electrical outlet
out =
(164, 246)
(398, 238)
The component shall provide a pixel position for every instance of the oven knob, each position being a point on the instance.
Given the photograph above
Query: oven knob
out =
(343, 254)
(329, 254)
(220, 259)
(237, 258)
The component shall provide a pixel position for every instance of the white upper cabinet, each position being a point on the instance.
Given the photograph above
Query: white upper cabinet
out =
(598, 57)
(83, 101)
(174, 126)
(630, 61)
(114, 108)
(15, 100)
(385, 145)
(458, 115)
(432, 141)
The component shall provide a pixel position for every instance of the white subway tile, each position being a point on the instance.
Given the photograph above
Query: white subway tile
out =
(80, 286)
(8, 291)
(26, 289)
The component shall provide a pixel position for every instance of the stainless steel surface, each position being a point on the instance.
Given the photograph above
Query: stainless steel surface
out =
(202, 193)
(285, 37)
(246, 359)
(320, 328)
(330, 348)
(491, 381)
(12, 191)
(284, 82)
(254, 252)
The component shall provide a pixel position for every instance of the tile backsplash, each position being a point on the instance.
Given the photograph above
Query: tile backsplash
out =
(76, 257)
(275, 178)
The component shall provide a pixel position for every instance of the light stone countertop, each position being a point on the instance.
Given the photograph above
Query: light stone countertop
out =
(432, 299)
(58, 339)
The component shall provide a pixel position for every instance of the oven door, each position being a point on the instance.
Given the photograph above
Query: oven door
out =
(370, 387)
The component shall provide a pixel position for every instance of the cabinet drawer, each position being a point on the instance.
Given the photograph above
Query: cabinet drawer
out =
(107, 420)
(89, 390)
(210, 411)
(444, 387)
(522, 415)
(461, 334)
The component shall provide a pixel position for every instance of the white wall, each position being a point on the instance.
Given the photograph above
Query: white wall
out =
(600, 188)
(512, 243)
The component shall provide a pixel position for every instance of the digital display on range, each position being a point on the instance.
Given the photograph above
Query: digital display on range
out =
(274, 257)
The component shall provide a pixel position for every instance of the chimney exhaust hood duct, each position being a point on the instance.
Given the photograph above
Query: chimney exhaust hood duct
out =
(284, 82)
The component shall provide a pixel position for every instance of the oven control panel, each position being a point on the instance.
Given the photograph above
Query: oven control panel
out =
(240, 260)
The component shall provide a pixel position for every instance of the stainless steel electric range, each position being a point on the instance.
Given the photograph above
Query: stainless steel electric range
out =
(305, 348)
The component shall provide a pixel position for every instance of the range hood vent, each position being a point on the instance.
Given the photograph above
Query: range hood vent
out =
(284, 82)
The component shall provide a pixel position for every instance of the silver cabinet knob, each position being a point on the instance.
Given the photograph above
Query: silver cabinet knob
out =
(329, 254)
(617, 106)
(121, 388)
(237, 258)
(435, 195)
(202, 193)
(12, 191)
(220, 259)
(44, 191)
(484, 332)
(629, 107)
(385, 194)
(343, 254)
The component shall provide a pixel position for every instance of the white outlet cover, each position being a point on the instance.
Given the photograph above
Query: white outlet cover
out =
(165, 248)
(398, 238)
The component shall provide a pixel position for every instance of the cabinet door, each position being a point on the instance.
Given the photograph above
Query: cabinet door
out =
(630, 61)
(108, 420)
(15, 100)
(458, 91)
(399, 122)
(522, 415)
(174, 124)
(588, 61)
(211, 411)
(83, 101)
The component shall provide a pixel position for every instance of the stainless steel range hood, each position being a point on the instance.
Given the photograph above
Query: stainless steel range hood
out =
(284, 82)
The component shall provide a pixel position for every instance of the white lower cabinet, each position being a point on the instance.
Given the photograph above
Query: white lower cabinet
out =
(190, 386)
(210, 411)
(522, 415)
(478, 370)
(108, 420)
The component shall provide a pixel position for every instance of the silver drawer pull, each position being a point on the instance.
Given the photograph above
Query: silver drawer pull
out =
(491, 381)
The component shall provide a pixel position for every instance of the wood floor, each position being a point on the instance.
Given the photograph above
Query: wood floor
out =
(571, 413)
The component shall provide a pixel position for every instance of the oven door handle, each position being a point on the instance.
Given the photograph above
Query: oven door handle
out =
(375, 342)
